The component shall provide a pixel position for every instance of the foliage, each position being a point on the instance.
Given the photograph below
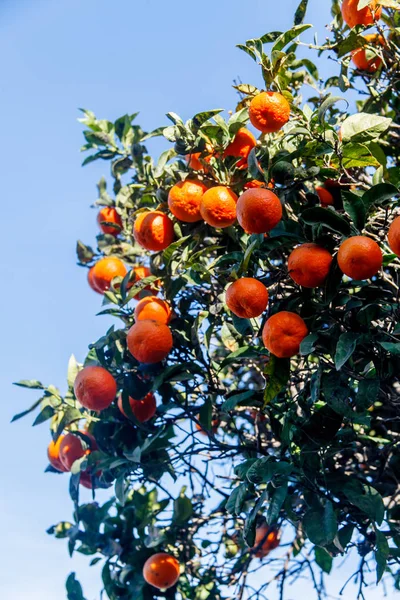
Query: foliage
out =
(307, 445)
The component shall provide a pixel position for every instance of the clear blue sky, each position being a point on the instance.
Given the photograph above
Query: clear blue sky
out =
(111, 57)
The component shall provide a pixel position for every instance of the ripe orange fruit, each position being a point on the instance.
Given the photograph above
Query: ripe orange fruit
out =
(269, 112)
(161, 570)
(352, 16)
(104, 271)
(86, 479)
(394, 236)
(309, 265)
(214, 426)
(153, 230)
(241, 146)
(258, 210)
(247, 298)
(359, 257)
(184, 200)
(109, 215)
(53, 454)
(218, 206)
(325, 197)
(195, 159)
(143, 409)
(149, 341)
(153, 309)
(71, 449)
(360, 59)
(267, 539)
(141, 273)
(95, 388)
(258, 184)
(91, 281)
(283, 334)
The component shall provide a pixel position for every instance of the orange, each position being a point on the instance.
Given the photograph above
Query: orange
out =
(359, 257)
(269, 112)
(184, 200)
(309, 265)
(95, 388)
(161, 570)
(241, 146)
(105, 270)
(153, 230)
(153, 309)
(195, 159)
(394, 236)
(218, 207)
(86, 479)
(258, 184)
(91, 281)
(109, 215)
(143, 409)
(325, 197)
(141, 273)
(214, 426)
(258, 210)
(53, 454)
(283, 334)
(352, 16)
(247, 298)
(360, 59)
(71, 449)
(149, 341)
(267, 539)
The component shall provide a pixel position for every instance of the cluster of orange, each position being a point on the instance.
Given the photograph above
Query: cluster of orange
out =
(364, 16)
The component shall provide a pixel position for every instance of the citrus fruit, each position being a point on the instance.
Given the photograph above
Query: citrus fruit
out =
(153, 230)
(361, 59)
(247, 298)
(104, 271)
(269, 112)
(143, 409)
(359, 257)
(394, 236)
(258, 210)
(53, 454)
(218, 207)
(95, 388)
(108, 217)
(241, 146)
(184, 200)
(161, 570)
(149, 341)
(283, 334)
(309, 265)
(153, 309)
(352, 16)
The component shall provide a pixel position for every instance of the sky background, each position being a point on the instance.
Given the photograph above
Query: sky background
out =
(111, 57)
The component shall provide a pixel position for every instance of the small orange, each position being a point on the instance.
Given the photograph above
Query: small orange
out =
(196, 159)
(71, 449)
(325, 197)
(153, 309)
(309, 265)
(106, 215)
(95, 388)
(53, 454)
(215, 423)
(161, 571)
(184, 200)
(283, 334)
(359, 257)
(394, 236)
(141, 273)
(247, 298)
(360, 59)
(143, 409)
(269, 112)
(218, 207)
(352, 16)
(258, 210)
(149, 341)
(241, 146)
(91, 281)
(153, 230)
(267, 539)
(258, 184)
(104, 271)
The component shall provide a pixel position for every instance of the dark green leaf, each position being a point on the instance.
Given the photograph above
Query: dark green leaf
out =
(276, 503)
(236, 500)
(355, 208)
(323, 559)
(327, 104)
(362, 127)
(366, 498)
(378, 194)
(44, 415)
(235, 399)
(345, 347)
(307, 345)
(277, 373)
(327, 218)
(320, 525)
(391, 347)
(300, 12)
(74, 588)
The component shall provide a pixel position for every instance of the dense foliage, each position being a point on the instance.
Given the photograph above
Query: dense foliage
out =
(244, 441)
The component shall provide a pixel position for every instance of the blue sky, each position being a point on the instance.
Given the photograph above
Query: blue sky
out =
(125, 56)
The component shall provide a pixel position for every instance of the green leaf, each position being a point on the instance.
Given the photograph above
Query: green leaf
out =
(236, 500)
(265, 469)
(235, 399)
(326, 217)
(277, 373)
(202, 117)
(73, 370)
(381, 554)
(307, 345)
(358, 155)
(167, 254)
(367, 393)
(183, 508)
(323, 559)
(355, 208)
(378, 194)
(26, 412)
(363, 127)
(320, 524)
(345, 347)
(120, 489)
(391, 347)
(287, 37)
(30, 383)
(300, 12)
(345, 534)
(245, 352)
(44, 415)
(242, 469)
(276, 503)
(249, 530)
(366, 498)
(327, 104)
(74, 588)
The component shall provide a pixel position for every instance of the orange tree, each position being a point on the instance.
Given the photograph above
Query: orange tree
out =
(248, 396)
